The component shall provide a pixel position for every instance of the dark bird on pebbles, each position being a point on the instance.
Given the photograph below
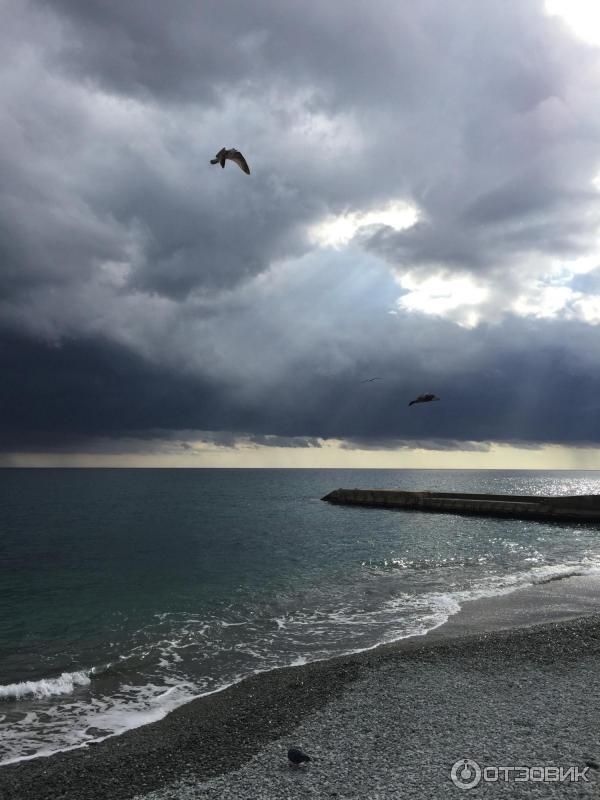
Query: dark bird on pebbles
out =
(233, 155)
(424, 398)
(297, 757)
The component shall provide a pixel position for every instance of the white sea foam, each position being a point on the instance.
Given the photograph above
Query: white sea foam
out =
(299, 637)
(298, 661)
(46, 687)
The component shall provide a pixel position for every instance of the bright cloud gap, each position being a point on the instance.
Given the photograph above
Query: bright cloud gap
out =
(338, 230)
(582, 17)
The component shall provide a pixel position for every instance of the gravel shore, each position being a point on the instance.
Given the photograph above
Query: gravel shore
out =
(525, 697)
(379, 725)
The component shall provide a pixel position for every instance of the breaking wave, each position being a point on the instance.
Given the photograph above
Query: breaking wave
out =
(46, 687)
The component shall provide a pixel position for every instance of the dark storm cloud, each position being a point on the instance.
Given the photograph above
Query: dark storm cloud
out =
(79, 395)
(88, 388)
(146, 296)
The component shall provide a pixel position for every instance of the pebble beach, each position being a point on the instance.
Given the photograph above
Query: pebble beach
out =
(383, 724)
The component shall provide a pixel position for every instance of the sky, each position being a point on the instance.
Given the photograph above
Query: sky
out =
(423, 207)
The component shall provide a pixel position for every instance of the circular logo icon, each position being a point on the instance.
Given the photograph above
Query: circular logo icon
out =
(465, 773)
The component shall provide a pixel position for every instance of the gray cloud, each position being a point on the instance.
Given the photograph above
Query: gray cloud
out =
(410, 444)
(492, 143)
(143, 290)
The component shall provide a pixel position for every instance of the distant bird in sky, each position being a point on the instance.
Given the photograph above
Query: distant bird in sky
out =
(370, 380)
(424, 398)
(233, 155)
(296, 756)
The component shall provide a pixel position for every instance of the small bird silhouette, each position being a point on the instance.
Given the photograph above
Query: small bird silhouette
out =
(233, 155)
(370, 380)
(296, 756)
(424, 398)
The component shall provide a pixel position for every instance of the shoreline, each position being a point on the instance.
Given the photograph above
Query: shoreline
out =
(219, 733)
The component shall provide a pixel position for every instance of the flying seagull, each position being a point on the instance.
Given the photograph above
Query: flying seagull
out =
(424, 398)
(370, 380)
(233, 155)
(296, 756)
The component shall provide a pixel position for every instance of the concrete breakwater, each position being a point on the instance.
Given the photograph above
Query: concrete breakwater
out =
(576, 508)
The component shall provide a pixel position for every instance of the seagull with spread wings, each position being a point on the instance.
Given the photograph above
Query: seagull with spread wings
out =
(424, 398)
(233, 155)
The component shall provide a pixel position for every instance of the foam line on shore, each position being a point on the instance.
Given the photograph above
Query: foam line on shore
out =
(443, 606)
(231, 726)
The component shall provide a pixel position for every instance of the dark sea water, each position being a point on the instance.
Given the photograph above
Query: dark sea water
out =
(125, 593)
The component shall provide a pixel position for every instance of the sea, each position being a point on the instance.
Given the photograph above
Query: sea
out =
(126, 593)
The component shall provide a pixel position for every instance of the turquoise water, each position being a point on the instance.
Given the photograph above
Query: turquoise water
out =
(125, 593)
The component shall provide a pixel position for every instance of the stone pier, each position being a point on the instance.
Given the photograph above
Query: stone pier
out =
(576, 508)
